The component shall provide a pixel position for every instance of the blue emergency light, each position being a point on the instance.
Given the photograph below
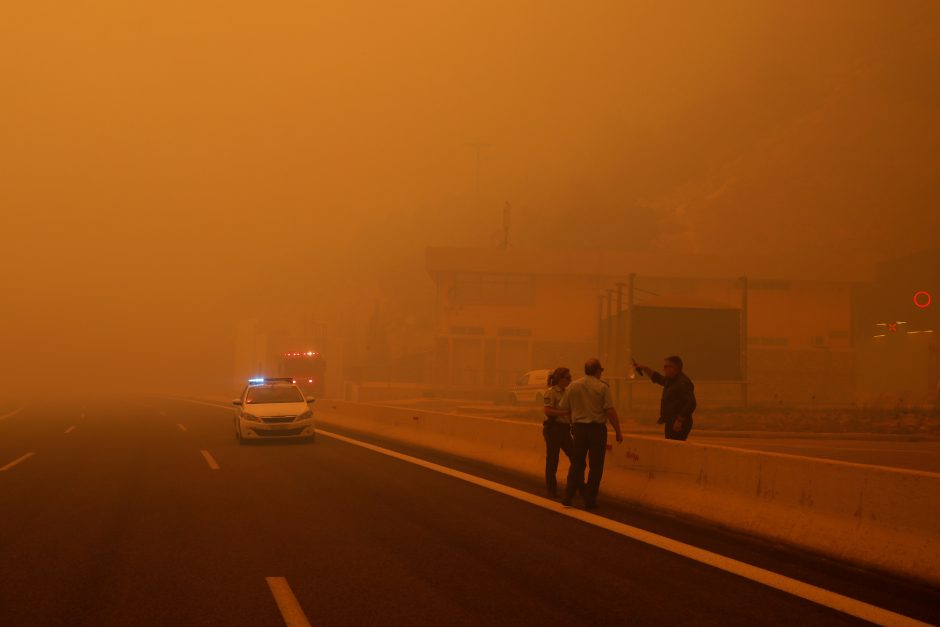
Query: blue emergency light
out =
(256, 380)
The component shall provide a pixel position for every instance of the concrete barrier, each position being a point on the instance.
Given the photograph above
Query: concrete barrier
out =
(876, 517)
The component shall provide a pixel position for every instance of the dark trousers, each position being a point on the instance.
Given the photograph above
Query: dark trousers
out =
(682, 434)
(557, 438)
(590, 441)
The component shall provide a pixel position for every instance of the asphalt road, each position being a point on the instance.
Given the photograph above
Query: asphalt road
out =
(119, 518)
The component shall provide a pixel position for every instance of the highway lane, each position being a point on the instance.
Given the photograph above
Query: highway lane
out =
(124, 521)
(23, 430)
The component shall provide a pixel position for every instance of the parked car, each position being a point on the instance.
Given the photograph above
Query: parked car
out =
(530, 387)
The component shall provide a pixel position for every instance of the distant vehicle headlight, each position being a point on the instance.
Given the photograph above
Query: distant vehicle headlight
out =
(304, 416)
(251, 418)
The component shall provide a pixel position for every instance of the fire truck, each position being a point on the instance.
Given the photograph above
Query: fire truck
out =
(307, 369)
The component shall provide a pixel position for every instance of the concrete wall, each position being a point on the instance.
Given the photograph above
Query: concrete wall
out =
(875, 517)
(378, 391)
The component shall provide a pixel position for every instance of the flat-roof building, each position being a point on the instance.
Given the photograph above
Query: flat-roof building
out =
(760, 330)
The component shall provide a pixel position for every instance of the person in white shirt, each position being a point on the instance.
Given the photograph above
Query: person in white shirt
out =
(591, 405)
(556, 429)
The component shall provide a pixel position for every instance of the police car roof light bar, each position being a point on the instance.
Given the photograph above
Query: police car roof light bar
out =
(264, 380)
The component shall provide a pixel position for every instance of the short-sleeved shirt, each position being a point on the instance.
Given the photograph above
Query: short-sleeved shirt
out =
(588, 398)
(553, 396)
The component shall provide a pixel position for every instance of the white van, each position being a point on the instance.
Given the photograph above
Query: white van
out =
(530, 387)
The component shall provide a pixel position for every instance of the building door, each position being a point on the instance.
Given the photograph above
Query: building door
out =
(467, 363)
(513, 361)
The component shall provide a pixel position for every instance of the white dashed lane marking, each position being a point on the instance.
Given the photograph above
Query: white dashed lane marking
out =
(11, 414)
(210, 460)
(287, 603)
(16, 461)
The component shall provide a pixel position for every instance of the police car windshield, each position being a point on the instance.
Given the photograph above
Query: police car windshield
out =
(274, 394)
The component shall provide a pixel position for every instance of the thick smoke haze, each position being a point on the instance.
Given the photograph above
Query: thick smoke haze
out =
(169, 169)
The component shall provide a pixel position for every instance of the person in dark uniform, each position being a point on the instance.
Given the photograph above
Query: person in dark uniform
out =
(678, 400)
(592, 407)
(557, 427)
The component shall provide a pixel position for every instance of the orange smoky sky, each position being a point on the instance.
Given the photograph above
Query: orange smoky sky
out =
(167, 169)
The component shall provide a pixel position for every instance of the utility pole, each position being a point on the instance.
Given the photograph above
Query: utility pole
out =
(744, 333)
(631, 287)
(619, 357)
(609, 340)
(479, 148)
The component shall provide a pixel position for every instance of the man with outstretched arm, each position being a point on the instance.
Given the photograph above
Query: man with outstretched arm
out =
(592, 406)
(678, 400)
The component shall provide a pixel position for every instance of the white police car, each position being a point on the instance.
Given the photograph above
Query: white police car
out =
(273, 409)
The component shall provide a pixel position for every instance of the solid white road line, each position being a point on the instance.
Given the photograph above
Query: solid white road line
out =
(182, 428)
(210, 460)
(291, 611)
(12, 413)
(70, 429)
(16, 461)
(841, 603)
(216, 404)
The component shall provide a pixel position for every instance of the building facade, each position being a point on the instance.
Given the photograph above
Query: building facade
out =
(502, 312)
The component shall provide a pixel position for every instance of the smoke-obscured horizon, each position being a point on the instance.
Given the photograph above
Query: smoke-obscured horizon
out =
(170, 169)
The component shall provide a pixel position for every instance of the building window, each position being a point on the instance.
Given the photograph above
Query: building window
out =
(514, 332)
(765, 284)
(506, 290)
(466, 331)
